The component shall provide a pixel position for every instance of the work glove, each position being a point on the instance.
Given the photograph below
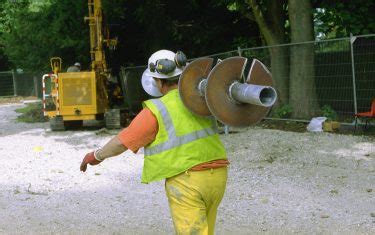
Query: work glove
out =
(89, 159)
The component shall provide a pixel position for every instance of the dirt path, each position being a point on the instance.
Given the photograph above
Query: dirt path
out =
(279, 182)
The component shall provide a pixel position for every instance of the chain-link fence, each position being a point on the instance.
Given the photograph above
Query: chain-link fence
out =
(20, 84)
(343, 74)
(7, 83)
(338, 79)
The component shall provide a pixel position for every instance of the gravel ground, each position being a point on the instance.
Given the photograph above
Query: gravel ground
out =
(279, 183)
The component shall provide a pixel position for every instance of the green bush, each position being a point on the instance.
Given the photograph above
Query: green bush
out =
(329, 113)
(284, 111)
(31, 113)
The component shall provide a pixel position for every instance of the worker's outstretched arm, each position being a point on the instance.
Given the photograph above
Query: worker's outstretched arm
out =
(113, 148)
(141, 131)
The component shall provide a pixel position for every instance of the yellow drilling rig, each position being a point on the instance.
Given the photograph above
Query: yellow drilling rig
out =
(69, 98)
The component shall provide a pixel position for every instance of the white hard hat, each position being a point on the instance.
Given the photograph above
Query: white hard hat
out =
(165, 64)
(77, 64)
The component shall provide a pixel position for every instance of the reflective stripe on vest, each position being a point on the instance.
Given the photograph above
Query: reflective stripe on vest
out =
(174, 140)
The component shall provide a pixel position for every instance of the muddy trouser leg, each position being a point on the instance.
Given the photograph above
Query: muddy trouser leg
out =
(194, 197)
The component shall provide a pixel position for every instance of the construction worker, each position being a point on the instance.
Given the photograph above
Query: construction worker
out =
(75, 68)
(179, 146)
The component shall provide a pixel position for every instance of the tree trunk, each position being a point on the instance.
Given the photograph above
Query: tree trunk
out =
(271, 25)
(302, 75)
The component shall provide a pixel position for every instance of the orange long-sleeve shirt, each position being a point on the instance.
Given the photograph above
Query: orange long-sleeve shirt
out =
(142, 131)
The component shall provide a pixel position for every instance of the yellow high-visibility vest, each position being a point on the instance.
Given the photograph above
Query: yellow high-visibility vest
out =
(183, 140)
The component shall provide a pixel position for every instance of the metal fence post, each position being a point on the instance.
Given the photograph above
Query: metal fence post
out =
(226, 129)
(352, 39)
(239, 51)
(14, 83)
(240, 54)
(35, 86)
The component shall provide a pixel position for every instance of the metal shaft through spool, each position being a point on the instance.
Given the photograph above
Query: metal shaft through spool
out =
(253, 94)
(247, 93)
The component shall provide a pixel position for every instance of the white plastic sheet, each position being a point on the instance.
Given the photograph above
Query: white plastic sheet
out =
(316, 124)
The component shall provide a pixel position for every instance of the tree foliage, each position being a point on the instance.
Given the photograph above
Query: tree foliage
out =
(4, 62)
(195, 27)
(335, 18)
(35, 32)
(32, 31)
(32, 34)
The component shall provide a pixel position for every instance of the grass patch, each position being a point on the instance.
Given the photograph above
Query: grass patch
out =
(31, 113)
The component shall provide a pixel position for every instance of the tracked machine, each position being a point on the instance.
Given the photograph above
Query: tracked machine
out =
(69, 98)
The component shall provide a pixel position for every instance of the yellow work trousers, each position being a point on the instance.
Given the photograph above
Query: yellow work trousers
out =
(194, 197)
